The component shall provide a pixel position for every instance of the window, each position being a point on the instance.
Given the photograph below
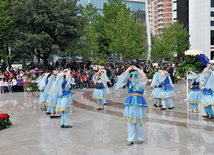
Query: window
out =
(170, 19)
(212, 37)
(170, 9)
(170, 15)
(170, 4)
(212, 14)
(212, 3)
(212, 55)
(212, 23)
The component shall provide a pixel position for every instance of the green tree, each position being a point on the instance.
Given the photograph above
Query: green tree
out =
(173, 40)
(89, 44)
(46, 27)
(5, 20)
(126, 35)
(114, 32)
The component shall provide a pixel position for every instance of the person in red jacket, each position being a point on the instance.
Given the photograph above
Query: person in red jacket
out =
(85, 80)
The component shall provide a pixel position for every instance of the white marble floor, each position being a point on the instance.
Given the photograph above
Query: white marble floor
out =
(103, 132)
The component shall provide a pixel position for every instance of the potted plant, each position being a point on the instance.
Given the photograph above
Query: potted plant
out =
(5, 121)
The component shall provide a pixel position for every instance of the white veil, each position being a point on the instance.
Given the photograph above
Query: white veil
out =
(162, 75)
(42, 83)
(51, 80)
(208, 77)
(56, 88)
(137, 79)
(155, 81)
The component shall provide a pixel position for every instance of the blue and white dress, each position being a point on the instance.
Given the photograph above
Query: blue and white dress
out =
(156, 91)
(195, 96)
(167, 90)
(99, 92)
(43, 97)
(64, 101)
(207, 98)
(135, 106)
(51, 101)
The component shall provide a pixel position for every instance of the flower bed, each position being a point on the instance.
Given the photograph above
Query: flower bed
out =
(5, 121)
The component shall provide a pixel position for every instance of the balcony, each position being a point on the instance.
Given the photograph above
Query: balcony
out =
(160, 17)
(160, 22)
(160, 12)
(160, 6)
(160, 26)
(160, 2)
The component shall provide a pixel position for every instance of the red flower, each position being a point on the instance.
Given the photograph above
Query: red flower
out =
(2, 116)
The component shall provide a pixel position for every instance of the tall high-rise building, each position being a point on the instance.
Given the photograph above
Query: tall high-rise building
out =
(160, 14)
(201, 26)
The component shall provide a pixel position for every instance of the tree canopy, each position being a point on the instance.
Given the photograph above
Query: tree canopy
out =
(173, 40)
(45, 27)
(115, 31)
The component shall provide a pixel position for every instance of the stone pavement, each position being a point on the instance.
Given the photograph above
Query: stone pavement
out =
(170, 132)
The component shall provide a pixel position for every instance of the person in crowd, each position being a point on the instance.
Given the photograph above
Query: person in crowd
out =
(6, 86)
(19, 82)
(72, 82)
(14, 84)
(2, 85)
(85, 80)
(10, 85)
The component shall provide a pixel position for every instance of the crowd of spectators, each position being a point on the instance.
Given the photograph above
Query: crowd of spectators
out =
(14, 80)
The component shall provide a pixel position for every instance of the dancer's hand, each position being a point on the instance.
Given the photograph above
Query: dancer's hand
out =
(209, 65)
(134, 67)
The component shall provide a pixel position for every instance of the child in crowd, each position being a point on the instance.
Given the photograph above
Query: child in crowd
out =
(2, 85)
(10, 86)
(5, 86)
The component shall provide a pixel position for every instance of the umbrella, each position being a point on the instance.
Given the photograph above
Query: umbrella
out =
(193, 52)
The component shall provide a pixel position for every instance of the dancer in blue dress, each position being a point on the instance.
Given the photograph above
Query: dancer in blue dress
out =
(167, 91)
(61, 90)
(156, 91)
(42, 84)
(195, 96)
(207, 77)
(135, 104)
(99, 92)
(51, 99)
(107, 92)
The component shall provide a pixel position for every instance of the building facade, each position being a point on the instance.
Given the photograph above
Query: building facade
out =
(201, 26)
(160, 14)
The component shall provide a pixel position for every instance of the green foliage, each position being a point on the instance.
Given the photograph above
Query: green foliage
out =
(189, 63)
(45, 27)
(31, 86)
(4, 22)
(5, 123)
(173, 39)
(150, 75)
(113, 32)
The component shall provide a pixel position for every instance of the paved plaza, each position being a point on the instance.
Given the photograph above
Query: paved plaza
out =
(170, 132)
